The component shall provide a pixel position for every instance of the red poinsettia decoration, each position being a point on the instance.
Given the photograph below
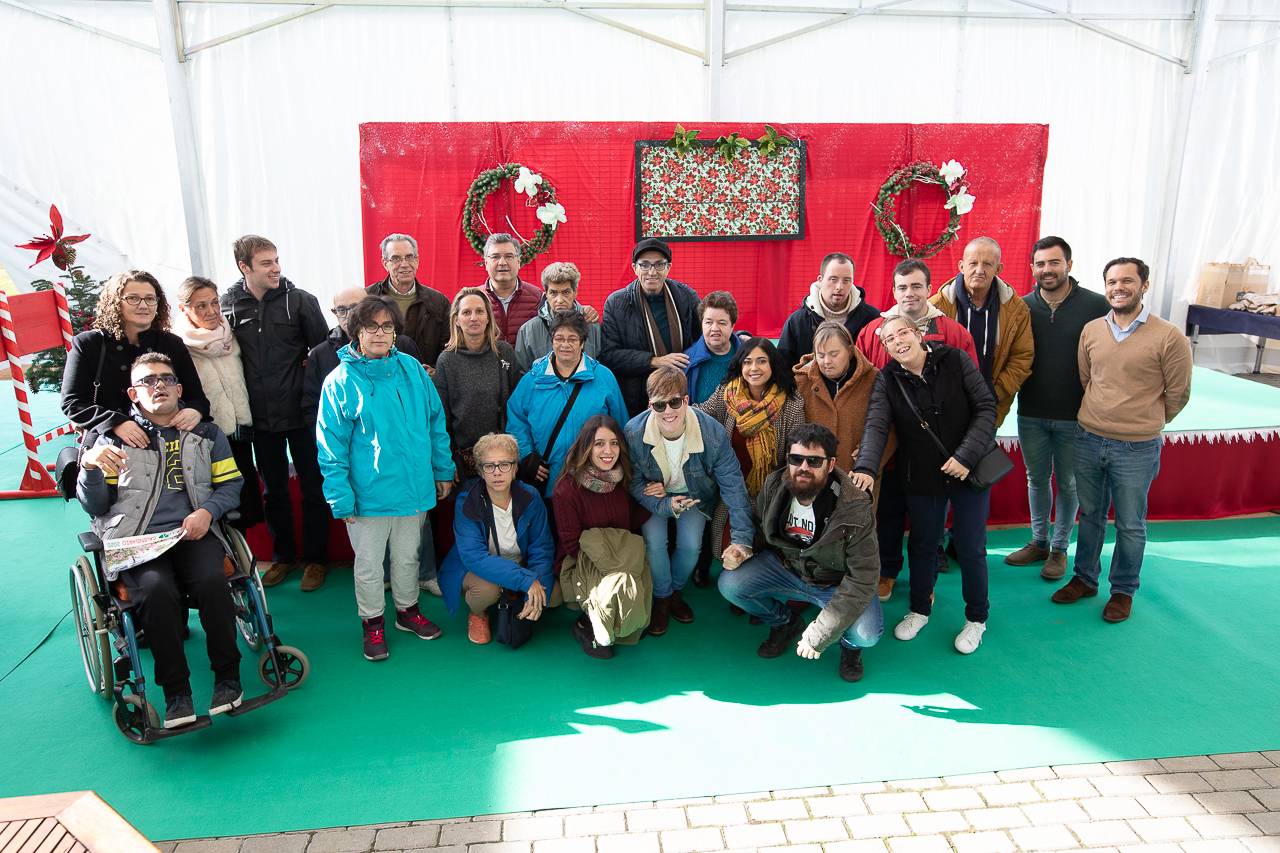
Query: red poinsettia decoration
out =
(57, 246)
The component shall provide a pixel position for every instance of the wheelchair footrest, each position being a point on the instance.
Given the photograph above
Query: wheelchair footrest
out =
(202, 722)
(257, 702)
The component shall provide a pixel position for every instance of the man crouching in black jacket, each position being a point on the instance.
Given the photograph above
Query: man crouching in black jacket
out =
(820, 534)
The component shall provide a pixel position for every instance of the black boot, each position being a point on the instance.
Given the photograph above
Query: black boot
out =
(782, 637)
(850, 664)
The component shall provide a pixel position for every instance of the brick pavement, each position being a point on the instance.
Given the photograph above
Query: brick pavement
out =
(1200, 804)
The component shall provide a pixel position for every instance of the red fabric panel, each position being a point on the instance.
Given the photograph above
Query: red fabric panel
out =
(35, 323)
(1197, 480)
(414, 179)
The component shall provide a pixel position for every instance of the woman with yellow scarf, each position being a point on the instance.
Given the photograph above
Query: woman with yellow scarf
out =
(758, 405)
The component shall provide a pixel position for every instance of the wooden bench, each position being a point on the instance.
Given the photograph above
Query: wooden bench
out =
(77, 822)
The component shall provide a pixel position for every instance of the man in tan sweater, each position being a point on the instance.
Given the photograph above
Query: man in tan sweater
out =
(1136, 373)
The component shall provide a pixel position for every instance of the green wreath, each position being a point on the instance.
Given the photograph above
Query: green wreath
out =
(485, 184)
(895, 239)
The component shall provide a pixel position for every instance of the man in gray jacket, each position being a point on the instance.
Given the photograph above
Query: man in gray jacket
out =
(560, 293)
(820, 537)
(185, 480)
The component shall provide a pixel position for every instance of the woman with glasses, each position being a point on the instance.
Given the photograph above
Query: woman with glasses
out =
(934, 396)
(476, 375)
(684, 463)
(554, 399)
(384, 454)
(502, 543)
(132, 319)
(216, 356)
(600, 560)
(757, 404)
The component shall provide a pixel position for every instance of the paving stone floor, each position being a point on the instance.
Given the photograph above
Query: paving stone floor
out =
(1199, 804)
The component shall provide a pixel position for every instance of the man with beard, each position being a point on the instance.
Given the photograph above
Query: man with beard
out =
(1049, 401)
(833, 296)
(820, 534)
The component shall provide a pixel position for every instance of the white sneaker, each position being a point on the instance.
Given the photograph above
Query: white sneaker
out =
(910, 625)
(432, 586)
(970, 637)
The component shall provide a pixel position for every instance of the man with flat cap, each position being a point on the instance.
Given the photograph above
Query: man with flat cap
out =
(649, 323)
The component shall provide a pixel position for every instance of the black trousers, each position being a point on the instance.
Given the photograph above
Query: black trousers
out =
(251, 493)
(891, 523)
(158, 590)
(273, 465)
(969, 533)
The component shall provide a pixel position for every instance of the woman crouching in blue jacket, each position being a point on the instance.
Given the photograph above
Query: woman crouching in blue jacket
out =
(384, 454)
(502, 542)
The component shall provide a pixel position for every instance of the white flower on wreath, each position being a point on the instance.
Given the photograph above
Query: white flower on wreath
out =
(552, 213)
(961, 202)
(951, 171)
(527, 182)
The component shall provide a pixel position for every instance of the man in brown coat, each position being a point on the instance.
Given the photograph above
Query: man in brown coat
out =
(995, 316)
(425, 309)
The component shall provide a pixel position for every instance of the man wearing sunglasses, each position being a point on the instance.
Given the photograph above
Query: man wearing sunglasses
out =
(184, 480)
(821, 535)
(683, 460)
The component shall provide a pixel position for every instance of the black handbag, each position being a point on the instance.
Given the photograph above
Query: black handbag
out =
(511, 630)
(988, 471)
(528, 469)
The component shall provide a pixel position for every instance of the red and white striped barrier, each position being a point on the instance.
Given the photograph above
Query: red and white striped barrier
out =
(36, 481)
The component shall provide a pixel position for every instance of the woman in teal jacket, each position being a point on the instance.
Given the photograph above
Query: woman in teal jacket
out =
(543, 392)
(385, 457)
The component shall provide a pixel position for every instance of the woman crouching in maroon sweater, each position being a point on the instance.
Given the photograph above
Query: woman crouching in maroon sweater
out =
(600, 559)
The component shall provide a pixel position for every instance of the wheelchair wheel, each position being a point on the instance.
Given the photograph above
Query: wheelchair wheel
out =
(133, 718)
(95, 644)
(244, 612)
(294, 667)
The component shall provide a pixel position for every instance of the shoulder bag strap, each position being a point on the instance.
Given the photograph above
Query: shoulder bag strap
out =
(564, 415)
(924, 425)
(97, 374)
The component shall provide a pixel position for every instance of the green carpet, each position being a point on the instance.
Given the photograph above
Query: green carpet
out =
(1219, 401)
(45, 415)
(447, 728)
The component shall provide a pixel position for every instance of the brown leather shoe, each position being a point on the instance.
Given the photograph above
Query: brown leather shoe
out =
(1028, 554)
(885, 589)
(1075, 590)
(277, 573)
(1055, 566)
(680, 609)
(659, 616)
(1118, 607)
(313, 575)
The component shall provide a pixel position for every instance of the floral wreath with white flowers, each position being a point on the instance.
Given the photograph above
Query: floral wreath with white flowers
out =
(540, 192)
(959, 202)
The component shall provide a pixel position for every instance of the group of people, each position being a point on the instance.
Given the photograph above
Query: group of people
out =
(602, 462)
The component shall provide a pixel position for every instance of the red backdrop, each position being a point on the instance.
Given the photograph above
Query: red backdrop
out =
(414, 179)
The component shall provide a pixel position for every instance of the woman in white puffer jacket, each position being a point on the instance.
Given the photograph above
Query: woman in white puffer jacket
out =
(216, 355)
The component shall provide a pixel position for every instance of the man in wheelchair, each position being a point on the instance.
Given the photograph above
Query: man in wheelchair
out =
(182, 479)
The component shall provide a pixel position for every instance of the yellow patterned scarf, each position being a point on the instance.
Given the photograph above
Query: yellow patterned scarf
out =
(755, 421)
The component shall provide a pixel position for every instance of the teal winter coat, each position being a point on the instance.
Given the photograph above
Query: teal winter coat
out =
(380, 436)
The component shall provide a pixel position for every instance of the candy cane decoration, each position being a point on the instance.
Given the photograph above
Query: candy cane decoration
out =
(64, 313)
(35, 478)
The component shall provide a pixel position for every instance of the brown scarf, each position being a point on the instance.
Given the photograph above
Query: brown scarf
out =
(601, 482)
(755, 419)
(651, 326)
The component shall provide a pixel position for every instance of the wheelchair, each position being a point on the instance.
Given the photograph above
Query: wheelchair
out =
(110, 645)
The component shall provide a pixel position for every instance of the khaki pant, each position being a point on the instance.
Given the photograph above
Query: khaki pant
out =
(481, 594)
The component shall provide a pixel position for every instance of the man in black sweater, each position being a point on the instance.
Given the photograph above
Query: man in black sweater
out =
(1049, 401)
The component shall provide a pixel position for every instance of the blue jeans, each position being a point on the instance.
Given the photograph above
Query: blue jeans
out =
(969, 534)
(1113, 473)
(427, 569)
(762, 586)
(671, 572)
(1048, 447)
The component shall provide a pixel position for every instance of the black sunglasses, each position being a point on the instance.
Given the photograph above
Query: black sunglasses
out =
(660, 406)
(799, 459)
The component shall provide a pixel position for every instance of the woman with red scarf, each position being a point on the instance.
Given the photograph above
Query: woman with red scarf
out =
(758, 405)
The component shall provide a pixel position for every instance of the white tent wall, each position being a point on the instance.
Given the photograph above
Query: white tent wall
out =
(276, 112)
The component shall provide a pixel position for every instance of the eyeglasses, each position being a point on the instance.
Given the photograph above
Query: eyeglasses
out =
(799, 460)
(401, 259)
(384, 328)
(200, 307)
(507, 257)
(504, 466)
(155, 380)
(342, 310)
(660, 406)
(573, 340)
(135, 300)
(646, 266)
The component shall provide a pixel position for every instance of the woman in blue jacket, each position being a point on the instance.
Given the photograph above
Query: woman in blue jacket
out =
(501, 541)
(384, 454)
(544, 392)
